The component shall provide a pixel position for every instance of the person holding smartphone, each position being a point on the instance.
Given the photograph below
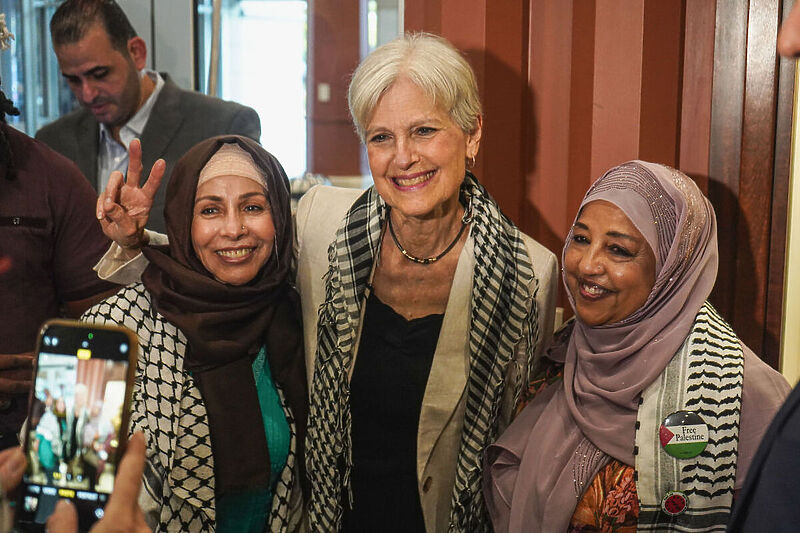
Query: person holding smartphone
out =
(122, 512)
(221, 390)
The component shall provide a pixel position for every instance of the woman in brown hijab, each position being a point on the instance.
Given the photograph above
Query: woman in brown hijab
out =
(221, 389)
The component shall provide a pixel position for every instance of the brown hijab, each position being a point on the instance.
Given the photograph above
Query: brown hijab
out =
(540, 466)
(227, 325)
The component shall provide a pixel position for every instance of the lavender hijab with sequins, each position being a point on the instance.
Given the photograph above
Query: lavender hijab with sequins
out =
(541, 465)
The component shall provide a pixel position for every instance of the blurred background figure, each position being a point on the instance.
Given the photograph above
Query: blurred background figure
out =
(77, 418)
(46, 442)
(97, 434)
(103, 60)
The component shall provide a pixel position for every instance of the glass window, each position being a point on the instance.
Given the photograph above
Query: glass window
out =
(262, 64)
(383, 22)
(29, 69)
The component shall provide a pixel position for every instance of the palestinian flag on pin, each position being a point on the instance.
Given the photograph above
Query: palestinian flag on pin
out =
(684, 442)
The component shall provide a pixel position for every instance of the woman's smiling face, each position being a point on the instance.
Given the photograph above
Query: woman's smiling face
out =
(417, 153)
(232, 229)
(609, 267)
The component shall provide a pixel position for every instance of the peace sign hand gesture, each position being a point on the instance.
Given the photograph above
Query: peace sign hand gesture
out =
(124, 207)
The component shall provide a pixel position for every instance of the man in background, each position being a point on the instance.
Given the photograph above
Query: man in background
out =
(77, 418)
(103, 61)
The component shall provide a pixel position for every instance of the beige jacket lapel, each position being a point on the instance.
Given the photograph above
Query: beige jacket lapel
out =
(442, 415)
(448, 376)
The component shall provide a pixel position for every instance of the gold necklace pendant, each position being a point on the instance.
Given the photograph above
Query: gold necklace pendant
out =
(424, 260)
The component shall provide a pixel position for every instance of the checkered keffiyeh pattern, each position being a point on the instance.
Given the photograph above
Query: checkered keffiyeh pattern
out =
(178, 491)
(705, 377)
(503, 313)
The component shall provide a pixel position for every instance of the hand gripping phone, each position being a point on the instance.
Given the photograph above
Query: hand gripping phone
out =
(77, 420)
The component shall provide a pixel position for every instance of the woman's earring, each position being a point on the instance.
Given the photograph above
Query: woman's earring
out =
(472, 162)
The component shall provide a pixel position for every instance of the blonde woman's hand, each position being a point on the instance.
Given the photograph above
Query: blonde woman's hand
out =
(124, 207)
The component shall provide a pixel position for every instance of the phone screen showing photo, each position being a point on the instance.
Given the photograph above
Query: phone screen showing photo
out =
(78, 411)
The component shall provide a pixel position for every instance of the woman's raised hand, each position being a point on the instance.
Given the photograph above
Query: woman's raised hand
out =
(124, 207)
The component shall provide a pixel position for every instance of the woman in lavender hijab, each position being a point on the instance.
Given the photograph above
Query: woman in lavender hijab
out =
(647, 410)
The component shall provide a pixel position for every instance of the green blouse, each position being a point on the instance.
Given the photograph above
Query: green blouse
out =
(247, 511)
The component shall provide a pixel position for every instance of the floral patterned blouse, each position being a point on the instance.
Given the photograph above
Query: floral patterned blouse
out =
(610, 503)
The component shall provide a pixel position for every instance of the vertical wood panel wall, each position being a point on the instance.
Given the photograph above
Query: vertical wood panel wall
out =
(691, 83)
(333, 148)
(494, 37)
(748, 171)
(698, 74)
(756, 174)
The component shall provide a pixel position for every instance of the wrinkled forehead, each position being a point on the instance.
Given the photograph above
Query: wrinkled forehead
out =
(92, 48)
(642, 196)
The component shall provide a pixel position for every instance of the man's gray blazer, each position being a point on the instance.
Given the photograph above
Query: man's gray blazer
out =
(179, 120)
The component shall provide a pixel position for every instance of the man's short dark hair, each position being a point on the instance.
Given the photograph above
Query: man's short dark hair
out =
(73, 19)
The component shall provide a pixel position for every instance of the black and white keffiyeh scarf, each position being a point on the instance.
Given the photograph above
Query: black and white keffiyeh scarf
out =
(704, 377)
(178, 490)
(502, 313)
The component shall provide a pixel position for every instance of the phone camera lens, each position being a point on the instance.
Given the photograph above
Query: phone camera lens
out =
(85, 344)
(123, 348)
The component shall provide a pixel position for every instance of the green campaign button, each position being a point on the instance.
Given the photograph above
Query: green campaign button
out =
(683, 434)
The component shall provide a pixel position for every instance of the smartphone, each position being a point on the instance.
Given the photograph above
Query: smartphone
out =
(77, 420)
